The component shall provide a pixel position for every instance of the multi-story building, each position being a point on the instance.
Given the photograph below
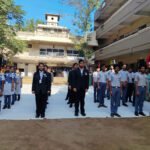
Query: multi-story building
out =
(123, 31)
(50, 43)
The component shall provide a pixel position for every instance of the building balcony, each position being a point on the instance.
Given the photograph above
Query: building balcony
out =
(61, 60)
(45, 37)
(128, 45)
(107, 8)
(122, 17)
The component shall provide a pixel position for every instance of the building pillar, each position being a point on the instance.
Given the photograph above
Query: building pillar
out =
(26, 69)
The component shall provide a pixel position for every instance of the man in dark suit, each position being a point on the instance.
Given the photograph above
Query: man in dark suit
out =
(80, 85)
(40, 87)
(72, 94)
(49, 78)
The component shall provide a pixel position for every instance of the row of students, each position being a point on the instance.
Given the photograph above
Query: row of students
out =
(10, 86)
(121, 85)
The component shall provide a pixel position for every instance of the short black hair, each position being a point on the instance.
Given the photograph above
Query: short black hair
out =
(74, 64)
(116, 65)
(81, 60)
(46, 66)
(40, 63)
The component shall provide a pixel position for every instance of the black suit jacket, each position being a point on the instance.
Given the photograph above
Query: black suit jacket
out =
(44, 87)
(81, 81)
(70, 78)
(49, 78)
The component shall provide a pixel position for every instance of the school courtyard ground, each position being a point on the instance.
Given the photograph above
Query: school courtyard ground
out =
(19, 130)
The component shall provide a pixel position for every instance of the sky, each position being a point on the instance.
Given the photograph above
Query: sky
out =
(37, 8)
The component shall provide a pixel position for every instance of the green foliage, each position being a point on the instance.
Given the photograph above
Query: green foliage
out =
(10, 14)
(29, 25)
(83, 22)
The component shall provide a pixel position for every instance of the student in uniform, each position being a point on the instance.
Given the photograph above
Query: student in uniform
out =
(1, 86)
(95, 84)
(13, 73)
(130, 87)
(8, 88)
(115, 84)
(49, 77)
(102, 86)
(109, 72)
(124, 79)
(73, 95)
(141, 87)
(18, 85)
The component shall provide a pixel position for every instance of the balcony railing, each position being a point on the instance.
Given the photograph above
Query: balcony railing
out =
(132, 43)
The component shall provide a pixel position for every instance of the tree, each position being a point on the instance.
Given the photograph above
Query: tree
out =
(10, 14)
(29, 25)
(83, 22)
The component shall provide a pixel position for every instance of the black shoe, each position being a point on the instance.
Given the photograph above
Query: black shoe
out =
(99, 105)
(76, 114)
(4, 107)
(37, 116)
(70, 106)
(9, 107)
(68, 103)
(83, 114)
(116, 114)
(43, 115)
(136, 114)
(141, 113)
(112, 115)
(104, 106)
(124, 104)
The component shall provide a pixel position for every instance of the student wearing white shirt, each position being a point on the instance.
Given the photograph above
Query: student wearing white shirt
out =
(102, 86)
(8, 88)
(141, 85)
(18, 85)
(109, 72)
(130, 87)
(1, 87)
(95, 84)
(124, 80)
(115, 91)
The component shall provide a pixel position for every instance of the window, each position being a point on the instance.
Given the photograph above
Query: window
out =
(43, 52)
(55, 52)
(72, 53)
(61, 52)
(49, 52)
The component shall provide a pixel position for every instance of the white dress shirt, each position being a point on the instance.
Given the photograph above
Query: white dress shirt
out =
(95, 76)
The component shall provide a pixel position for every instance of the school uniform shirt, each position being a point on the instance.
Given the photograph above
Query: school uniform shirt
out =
(14, 78)
(18, 84)
(8, 83)
(95, 77)
(141, 79)
(115, 80)
(109, 72)
(1, 80)
(130, 76)
(103, 77)
(124, 75)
